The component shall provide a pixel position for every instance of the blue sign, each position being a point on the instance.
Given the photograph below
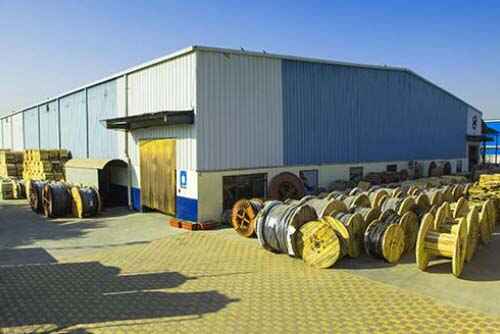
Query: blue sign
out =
(184, 179)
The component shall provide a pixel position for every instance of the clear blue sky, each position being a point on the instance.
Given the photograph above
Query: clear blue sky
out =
(48, 47)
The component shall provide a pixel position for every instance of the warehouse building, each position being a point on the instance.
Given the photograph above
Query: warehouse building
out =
(202, 126)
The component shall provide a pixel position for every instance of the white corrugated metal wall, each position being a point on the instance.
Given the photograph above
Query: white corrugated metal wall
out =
(49, 126)
(168, 86)
(7, 133)
(31, 129)
(103, 104)
(17, 132)
(239, 111)
(74, 124)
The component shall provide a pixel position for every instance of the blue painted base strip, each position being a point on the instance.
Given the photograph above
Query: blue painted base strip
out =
(135, 195)
(186, 208)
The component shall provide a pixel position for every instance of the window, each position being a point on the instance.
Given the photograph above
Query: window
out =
(392, 168)
(355, 174)
(243, 186)
(310, 179)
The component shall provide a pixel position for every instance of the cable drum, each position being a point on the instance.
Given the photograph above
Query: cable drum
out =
(356, 226)
(57, 200)
(357, 200)
(376, 197)
(35, 195)
(327, 207)
(278, 224)
(243, 216)
(435, 196)
(86, 202)
(399, 205)
(384, 238)
(368, 214)
(338, 195)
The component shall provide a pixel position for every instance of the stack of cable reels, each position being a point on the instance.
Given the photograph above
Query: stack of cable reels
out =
(86, 202)
(486, 219)
(433, 243)
(385, 238)
(243, 216)
(6, 191)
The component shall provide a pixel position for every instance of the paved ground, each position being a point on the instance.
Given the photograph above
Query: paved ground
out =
(217, 282)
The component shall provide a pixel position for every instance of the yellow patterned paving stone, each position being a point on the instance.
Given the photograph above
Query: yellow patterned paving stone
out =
(209, 283)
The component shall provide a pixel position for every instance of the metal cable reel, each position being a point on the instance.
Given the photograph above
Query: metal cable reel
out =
(384, 238)
(243, 216)
(433, 243)
(286, 185)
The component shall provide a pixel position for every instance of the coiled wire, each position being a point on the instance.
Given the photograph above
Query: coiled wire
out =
(36, 195)
(391, 203)
(374, 234)
(272, 226)
(58, 200)
(90, 201)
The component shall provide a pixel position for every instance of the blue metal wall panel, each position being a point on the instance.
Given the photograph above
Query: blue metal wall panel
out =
(74, 124)
(341, 114)
(49, 126)
(135, 196)
(186, 208)
(102, 104)
(31, 129)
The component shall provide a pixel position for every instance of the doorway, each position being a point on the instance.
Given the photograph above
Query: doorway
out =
(473, 154)
(158, 174)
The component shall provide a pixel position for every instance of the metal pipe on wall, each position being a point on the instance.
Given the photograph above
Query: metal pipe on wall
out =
(127, 154)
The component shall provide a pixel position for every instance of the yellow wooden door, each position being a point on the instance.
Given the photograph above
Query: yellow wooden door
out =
(157, 164)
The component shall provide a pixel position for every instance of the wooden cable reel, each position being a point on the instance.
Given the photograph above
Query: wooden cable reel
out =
(385, 239)
(286, 185)
(458, 191)
(435, 197)
(56, 200)
(327, 207)
(86, 202)
(368, 214)
(444, 222)
(460, 208)
(376, 197)
(400, 205)
(448, 194)
(355, 224)
(338, 195)
(361, 200)
(318, 244)
(432, 243)
(409, 223)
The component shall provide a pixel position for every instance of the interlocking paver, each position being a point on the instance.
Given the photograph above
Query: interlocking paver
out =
(209, 282)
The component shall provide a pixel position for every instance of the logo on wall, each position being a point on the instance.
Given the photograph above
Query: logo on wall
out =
(474, 122)
(183, 179)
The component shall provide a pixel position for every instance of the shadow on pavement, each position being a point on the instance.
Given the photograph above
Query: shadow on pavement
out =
(64, 295)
